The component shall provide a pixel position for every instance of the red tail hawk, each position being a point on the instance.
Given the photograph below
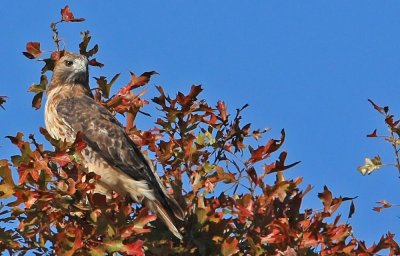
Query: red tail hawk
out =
(110, 152)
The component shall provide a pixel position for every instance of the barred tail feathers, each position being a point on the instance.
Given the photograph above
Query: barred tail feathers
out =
(163, 214)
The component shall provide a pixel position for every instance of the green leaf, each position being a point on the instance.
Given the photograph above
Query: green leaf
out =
(201, 215)
(133, 248)
(41, 87)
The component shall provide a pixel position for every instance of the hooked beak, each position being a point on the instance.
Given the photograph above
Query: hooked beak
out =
(81, 65)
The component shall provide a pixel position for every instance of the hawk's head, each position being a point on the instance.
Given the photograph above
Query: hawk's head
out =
(71, 69)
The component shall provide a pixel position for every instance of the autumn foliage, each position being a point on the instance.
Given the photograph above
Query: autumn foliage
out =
(205, 155)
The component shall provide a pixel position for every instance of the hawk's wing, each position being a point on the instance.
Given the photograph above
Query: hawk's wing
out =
(104, 134)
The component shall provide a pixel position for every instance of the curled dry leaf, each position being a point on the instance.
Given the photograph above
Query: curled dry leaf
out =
(370, 165)
(37, 100)
(383, 205)
(95, 63)
(222, 110)
(56, 55)
(372, 134)
(382, 110)
(142, 79)
(2, 101)
(68, 16)
(32, 50)
(326, 198)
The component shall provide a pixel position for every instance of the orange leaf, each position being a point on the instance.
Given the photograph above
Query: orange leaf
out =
(135, 248)
(222, 110)
(326, 198)
(142, 79)
(7, 183)
(62, 158)
(68, 16)
(37, 100)
(32, 50)
(384, 204)
(56, 55)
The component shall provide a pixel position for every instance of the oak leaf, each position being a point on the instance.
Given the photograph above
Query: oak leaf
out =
(32, 50)
(68, 16)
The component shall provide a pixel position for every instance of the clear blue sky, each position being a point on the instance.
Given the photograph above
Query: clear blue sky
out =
(306, 66)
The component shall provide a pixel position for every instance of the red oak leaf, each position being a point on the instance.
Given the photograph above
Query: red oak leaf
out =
(32, 50)
(68, 16)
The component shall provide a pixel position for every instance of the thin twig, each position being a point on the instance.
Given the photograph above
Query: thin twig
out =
(396, 150)
(56, 39)
(32, 137)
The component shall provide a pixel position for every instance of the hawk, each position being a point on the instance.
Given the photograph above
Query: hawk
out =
(70, 108)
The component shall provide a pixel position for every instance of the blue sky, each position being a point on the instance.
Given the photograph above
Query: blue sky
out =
(306, 66)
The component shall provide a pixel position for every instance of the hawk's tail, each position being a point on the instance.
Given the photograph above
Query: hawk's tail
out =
(166, 215)
(165, 206)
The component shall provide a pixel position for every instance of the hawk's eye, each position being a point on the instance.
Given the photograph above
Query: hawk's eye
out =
(68, 63)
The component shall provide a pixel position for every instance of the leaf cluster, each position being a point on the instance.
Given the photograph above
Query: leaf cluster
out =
(234, 192)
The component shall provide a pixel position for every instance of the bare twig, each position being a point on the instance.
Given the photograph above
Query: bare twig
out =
(56, 39)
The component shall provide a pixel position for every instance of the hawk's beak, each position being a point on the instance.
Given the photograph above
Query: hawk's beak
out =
(81, 65)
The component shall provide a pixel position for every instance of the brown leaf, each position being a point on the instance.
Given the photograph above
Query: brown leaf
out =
(48, 66)
(2, 101)
(37, 101)
(68, 16)
(99, 200)
(263, 152)
(326, 198)
(79, 144)
(352, 209)
(391, 123)
(95, 63)
(17, 140)
(382, 110)
(32, 50)
(56, 55)
(384, 243)
(280, 164)
(222, 110)
(89, 53)
(373, 134)
(253, 175)
(104, 86)
(384, 204)
(142, 79)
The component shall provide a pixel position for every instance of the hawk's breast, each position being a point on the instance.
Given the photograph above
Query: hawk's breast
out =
(55, 124)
